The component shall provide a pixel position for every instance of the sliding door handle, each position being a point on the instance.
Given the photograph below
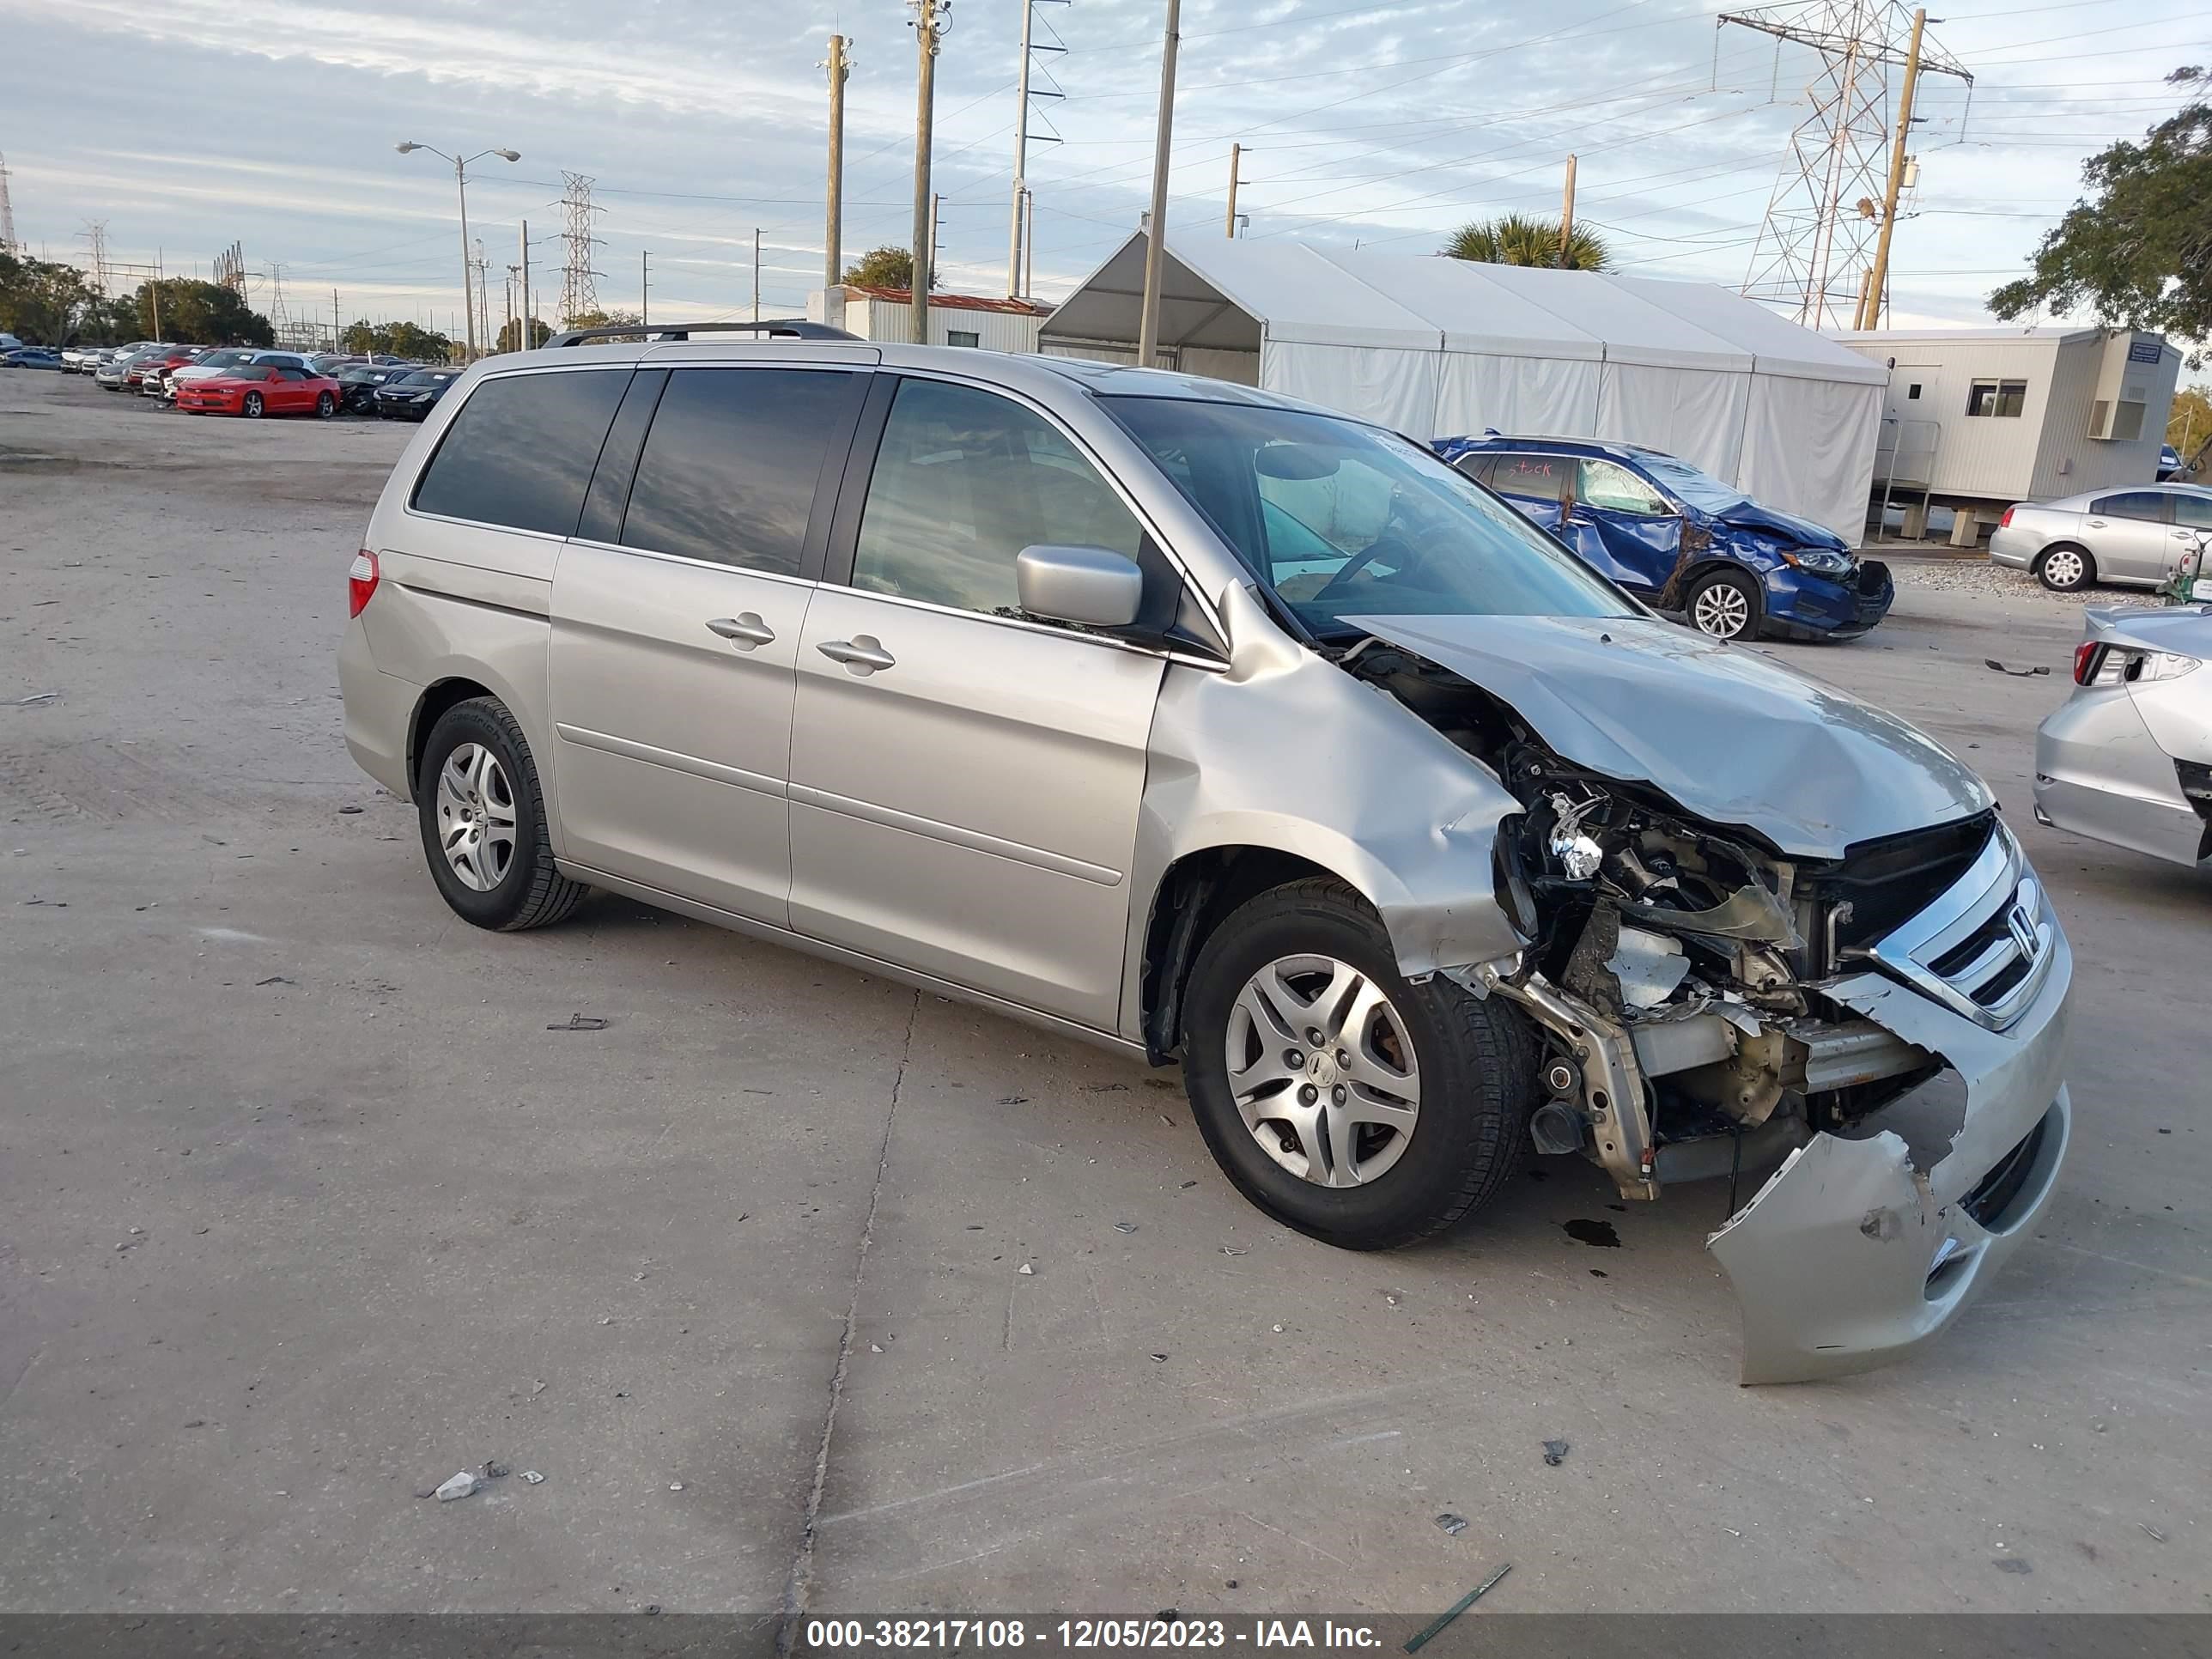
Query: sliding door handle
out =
(863, 653)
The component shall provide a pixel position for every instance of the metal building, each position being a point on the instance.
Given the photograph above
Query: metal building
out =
(1975, 419)
(958, 319)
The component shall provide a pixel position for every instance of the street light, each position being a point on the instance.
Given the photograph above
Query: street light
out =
(408, 146)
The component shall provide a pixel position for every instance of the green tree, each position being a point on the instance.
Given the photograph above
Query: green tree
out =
(510, 334)
(197, 313)
(41, 300)
(881, 267)
(2189, 428)
(395, 340)
(1514, 239)
(2137, 250)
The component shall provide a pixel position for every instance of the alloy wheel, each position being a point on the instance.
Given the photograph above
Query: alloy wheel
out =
(2063, 568)
(1321, 1067)
(1721, 610)
(476, 816)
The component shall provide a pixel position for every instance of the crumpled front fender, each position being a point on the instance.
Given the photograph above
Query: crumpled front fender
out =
(1850, 1255)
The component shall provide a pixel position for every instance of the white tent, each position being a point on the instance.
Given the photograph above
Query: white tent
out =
(1438, 347)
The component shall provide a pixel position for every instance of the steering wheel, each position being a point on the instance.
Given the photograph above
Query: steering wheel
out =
(1402, 558)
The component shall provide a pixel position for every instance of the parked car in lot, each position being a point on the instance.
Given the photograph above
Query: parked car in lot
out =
(31, 357)
(211, 363)
(2128, 758)
(82, 359)
(992, 673)
(1683, 540)
(411, 396)
(2127, 537)
(2169, 463)
(357, 385)
(254, 390)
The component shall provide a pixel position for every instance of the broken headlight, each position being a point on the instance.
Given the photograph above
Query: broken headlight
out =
(1821, 561)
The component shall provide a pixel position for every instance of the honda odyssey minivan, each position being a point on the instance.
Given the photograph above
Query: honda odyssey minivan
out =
(1233, 732)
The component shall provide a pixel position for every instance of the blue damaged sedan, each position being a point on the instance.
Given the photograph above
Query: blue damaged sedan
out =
(1681, 540)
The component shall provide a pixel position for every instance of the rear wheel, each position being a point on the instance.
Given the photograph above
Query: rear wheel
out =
(326, 405)
(1346, 1102)
(483, 816)
(1726, 604)
(2065, 567)
(252, 407)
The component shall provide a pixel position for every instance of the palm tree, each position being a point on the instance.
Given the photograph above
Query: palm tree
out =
(1513, 238)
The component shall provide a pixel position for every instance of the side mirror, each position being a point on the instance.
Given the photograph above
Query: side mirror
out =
(1093, 586)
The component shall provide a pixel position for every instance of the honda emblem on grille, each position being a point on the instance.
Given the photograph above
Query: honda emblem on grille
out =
(2021, 927)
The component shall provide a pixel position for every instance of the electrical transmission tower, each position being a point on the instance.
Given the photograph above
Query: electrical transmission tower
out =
(280, 323)
(1827, 208)
(1018, 238)
(94, 237)
(230, 267)
(580, 292)
(8, 242)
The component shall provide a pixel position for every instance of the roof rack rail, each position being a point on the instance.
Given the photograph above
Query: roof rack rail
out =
(788, 328)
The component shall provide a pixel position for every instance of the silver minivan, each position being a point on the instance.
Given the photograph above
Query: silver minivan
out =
(1226, 731)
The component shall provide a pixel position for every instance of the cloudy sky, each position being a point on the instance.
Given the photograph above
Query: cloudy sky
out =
(186, 125)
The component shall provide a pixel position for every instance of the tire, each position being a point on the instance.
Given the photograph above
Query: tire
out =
(252, 407)
(325, 406)
(477, 779)
(2065, 567)
(1378, 1187)
(1726, 604)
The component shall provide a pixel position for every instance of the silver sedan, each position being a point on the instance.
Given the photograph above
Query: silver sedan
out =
(2128, 758)
(2128, 538)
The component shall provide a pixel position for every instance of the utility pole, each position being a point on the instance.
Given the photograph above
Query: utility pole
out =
(1028, 242)
(833, 253)
(644, 288)
(1156, 240)
(526, 336)
(1021, 155)
(1236, 156)
(1567, 214)
(468, 304)
(929, 21)
(338, 328)
(155, 292)
(936, 206)
(757, 273)
(1870, 306)
(1866, 286)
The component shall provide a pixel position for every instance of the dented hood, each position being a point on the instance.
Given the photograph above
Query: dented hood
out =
(1720, 729)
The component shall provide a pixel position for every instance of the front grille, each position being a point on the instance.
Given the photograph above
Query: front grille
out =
(1982, 947)
(1889, 881)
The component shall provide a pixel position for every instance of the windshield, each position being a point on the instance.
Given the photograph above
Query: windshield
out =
(1705, 493)
(1343, 520)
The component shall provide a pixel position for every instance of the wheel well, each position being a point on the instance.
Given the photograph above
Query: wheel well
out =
(435, 701)
(1193, 898)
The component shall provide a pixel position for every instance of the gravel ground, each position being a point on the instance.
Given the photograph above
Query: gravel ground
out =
(1996, 580)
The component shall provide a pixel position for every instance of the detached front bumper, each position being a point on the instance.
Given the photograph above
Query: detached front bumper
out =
(1801, 605)
(1850, 1255)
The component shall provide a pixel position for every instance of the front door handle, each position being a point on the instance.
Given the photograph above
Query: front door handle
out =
(745, 631)
(863, 653)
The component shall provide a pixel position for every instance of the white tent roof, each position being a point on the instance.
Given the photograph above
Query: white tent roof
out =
(1215, 290)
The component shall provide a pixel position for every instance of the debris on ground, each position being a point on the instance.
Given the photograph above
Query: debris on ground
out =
(1014, 1100)
(275, 979)
(531, 1478)
(35, 697)
(1454, 1524)
(2012, 1564)
(493, 1471)
(676, 1485)
(1421, 1636)
(2157, 1536)
(1235, 1249)
(2017, 674)
(1125, 1226)
(467, 1484)
(1161, 1358)
(1026, 1271)
(1555, 1452)
(580, 1022)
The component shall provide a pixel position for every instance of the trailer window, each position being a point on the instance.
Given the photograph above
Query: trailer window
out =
(2006, 397)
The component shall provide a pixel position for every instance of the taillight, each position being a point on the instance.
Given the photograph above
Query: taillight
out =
(2005, 523)
(361, 582)
(2085, 659)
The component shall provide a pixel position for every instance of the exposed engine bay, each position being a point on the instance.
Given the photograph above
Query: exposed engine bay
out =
(1674, 965)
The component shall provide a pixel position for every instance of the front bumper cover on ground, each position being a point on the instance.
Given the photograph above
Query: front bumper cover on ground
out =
(1850, 1254)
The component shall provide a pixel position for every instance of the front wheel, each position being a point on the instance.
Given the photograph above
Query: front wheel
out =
(483, 826)
(1361, 1110)
(1726, 604)
(325, 406)
(252, 407)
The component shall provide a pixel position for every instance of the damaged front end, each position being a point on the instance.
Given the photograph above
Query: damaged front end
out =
(1882, 1017)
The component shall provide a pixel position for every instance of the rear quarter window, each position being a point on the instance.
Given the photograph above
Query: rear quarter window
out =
(520, 453)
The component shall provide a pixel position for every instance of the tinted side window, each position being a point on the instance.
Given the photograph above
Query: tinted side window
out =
(1479, 464)
(521, 450)
(964, 481)
(2132, 504)
(1533, 477)
(731, 460)
(2193, 510)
